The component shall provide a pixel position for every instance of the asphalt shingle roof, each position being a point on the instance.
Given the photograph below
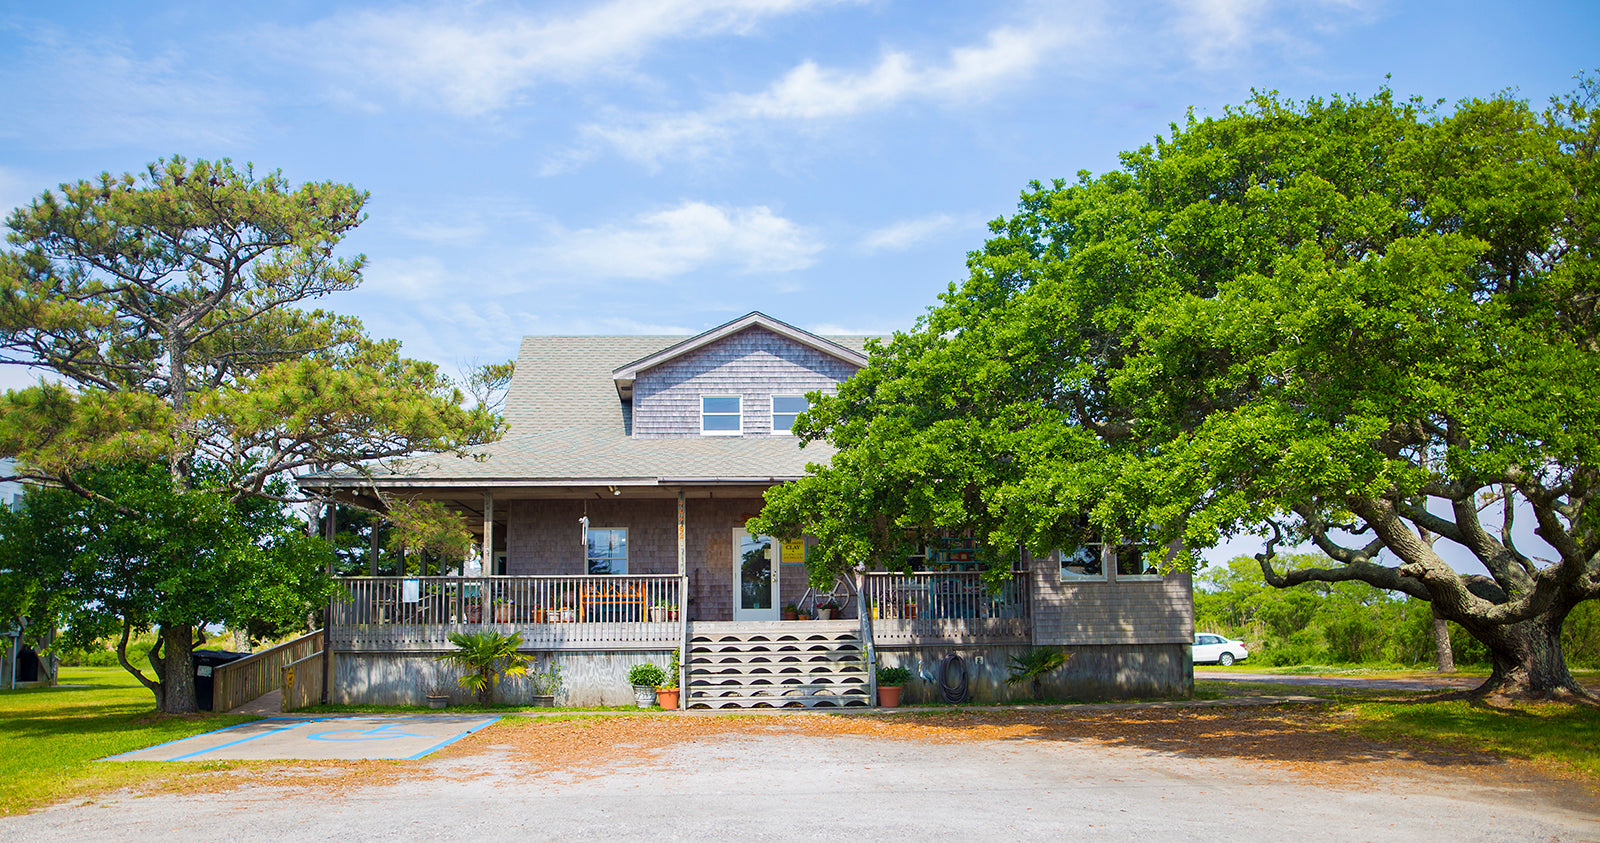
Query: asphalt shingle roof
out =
(567, 423)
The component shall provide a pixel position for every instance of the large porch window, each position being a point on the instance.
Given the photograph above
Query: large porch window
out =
(607, 552)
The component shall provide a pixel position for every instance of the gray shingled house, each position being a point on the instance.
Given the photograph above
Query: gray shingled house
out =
(611, 518)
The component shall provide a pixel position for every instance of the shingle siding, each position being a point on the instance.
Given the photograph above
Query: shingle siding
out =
(1110, 612)
(754, 364)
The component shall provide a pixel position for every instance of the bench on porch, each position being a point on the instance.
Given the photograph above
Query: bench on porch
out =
(612, 602)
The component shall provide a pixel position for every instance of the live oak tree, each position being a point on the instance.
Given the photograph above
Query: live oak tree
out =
(137, 553)
(1368, 325)
(166, 309)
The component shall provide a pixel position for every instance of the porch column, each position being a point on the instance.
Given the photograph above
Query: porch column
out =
(683, 546)
(683, 607)
(488, 533)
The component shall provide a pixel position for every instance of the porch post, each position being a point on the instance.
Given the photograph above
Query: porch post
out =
(488, 533)
(683, 607)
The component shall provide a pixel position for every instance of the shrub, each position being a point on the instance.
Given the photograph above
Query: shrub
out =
(646, 674)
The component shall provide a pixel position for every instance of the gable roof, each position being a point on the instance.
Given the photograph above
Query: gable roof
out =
(625, 374)
(568, 425)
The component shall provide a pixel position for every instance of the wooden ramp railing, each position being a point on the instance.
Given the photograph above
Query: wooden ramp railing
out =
(302, 682)
(239, 682)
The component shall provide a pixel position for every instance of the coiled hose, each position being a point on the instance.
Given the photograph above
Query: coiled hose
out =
(953, 679)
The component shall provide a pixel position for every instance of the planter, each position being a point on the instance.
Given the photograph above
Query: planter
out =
(502, 613)
(889, 697)
(542, 700)
(804, 616)
(667, 697)
(438, 701)
(824, 614)
(791, 615)
(568, 614)
(644, 695)
(536, 616)
(658, 614)
(474, 614)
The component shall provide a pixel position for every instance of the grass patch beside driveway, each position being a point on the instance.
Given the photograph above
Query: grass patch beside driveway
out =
(52, 738)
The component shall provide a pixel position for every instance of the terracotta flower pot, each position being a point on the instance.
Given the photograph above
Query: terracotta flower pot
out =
(667, 697)
(889, 697)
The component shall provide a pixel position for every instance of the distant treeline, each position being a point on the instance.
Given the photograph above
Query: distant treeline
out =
(1346, 623)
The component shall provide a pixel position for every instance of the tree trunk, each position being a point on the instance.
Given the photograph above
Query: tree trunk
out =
(177, 671)
(1528, 660)
(1445, 657)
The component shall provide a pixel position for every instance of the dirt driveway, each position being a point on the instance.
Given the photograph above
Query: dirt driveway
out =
(1192, 774)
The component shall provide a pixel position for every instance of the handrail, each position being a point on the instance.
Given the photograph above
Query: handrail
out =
(240, 681)
(947, 606)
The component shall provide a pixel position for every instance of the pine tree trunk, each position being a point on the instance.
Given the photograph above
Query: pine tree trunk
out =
(177, 671)
(1445, 656)
(1528, 660)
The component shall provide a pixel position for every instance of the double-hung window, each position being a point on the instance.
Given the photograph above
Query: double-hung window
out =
(1083, 563)
(784, 410)
(721, 415)
(607, 551)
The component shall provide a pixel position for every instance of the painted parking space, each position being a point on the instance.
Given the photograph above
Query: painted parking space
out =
(318, 739)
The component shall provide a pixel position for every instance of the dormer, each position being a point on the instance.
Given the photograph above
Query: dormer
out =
(745, 378)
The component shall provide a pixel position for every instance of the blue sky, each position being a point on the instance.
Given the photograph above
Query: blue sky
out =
(662, 166)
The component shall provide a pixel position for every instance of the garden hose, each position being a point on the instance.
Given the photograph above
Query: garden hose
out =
(953, 690)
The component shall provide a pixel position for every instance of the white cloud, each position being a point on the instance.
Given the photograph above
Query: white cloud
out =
(472, 59)
(672, 242)
(1211, 33)
(812, 93)
(409, 278)
(907, 233)
(98, 93)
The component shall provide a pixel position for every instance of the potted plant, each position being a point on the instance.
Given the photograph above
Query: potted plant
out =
(437, 693)
(644, 678)
(803, 615)
(502, 611)
(891, 681)
(827, 609)
(667, 691)
(485, 657)
(545, 684)
(658, 612)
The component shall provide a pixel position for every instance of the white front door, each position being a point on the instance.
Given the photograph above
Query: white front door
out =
(755, 577)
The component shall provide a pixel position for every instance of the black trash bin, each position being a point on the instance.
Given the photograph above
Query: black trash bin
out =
(205, 662)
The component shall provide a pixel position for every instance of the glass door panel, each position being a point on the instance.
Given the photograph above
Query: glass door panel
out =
(755, 577)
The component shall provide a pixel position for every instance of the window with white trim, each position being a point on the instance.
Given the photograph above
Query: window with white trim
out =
(607, 552)
(1132, 564)
(1084, 563)
(784, 410)
(721, 415)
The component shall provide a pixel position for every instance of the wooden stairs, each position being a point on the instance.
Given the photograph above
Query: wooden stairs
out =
(778, 664)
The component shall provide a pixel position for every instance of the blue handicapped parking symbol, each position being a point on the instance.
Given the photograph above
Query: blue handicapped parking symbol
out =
(376, 733)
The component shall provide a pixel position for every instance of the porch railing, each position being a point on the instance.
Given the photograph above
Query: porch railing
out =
(550, 612)
(946, 607)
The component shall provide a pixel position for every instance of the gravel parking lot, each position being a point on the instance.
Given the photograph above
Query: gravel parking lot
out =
(1222, 774)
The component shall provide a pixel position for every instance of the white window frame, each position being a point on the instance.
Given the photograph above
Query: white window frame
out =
(1061, 555)
(587, 558)
(737, 432)
(774, 407)
(1116, 563)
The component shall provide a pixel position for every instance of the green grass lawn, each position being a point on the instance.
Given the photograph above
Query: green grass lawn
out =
(51, 738)
(1566, 737)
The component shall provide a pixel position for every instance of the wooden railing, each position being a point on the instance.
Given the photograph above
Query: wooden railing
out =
(946, 607)
(382, 614)
(239, 682)
(302, 682)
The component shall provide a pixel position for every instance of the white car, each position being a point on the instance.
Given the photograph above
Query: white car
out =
(1210, 648)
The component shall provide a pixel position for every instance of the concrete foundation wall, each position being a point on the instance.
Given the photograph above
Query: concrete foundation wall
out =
(1094, 672)
(588, 678)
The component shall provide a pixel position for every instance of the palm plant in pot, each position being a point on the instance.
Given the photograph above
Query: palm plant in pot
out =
(437, 693)
(484, 657)
(891, 681)
(644, 678)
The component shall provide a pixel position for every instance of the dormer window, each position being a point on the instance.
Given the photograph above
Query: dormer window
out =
(721, 415)
(784, 409)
